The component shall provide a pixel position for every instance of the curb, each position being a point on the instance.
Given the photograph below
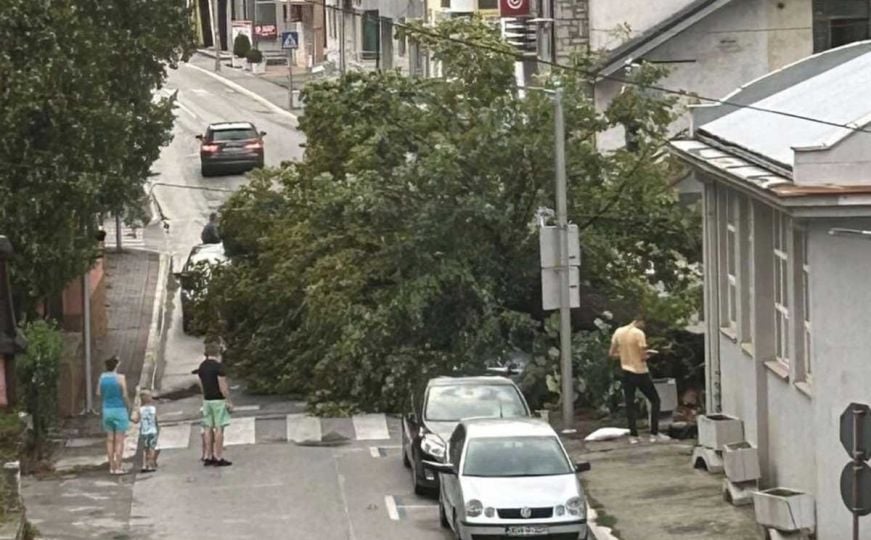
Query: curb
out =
(155, 331)
(242, 90)
(599, 532)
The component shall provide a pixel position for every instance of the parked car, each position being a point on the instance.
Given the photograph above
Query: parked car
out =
(434, 415)
(230, 147)
(510, 477)
(194, 275)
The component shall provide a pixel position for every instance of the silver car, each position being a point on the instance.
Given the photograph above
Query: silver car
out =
(510, 478)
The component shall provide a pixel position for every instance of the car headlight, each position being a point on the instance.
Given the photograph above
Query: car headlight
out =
(575, 506)
(433, 445)
(474, 508)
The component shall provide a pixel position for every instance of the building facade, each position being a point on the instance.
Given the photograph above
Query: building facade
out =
(786, 296)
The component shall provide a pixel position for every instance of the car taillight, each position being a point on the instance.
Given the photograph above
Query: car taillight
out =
(210, 148)
(254, 146)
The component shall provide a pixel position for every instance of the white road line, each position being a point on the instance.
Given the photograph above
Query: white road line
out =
(392, 510)
(302, 427)
(186, 110)
(375, 452)
(240, 431)
(371, 427)
(200, 91)
(246, 408)
(171, 437)
(242, 90)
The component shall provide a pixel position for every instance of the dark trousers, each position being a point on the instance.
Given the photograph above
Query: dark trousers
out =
(643, 382)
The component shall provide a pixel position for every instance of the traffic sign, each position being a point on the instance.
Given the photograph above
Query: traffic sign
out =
(864, 431)
(290, 40)
(514, 8)
(549, 246)
(849, 478)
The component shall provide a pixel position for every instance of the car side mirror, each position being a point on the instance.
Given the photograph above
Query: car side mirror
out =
(262, 133)
(582, 466)
(444, 468)
(199, 137)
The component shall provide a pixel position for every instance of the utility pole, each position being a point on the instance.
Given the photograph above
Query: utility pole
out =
(216, 33)
(290, 78)
(565, 313)
(86, 330)
(341, 14)
(118, 231)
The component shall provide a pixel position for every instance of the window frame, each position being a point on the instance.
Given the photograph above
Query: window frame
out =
(780, 268)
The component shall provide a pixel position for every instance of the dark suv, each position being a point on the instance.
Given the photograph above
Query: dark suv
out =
(445, 402)
(230, 147)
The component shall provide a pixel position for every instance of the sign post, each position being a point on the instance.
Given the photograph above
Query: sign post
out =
(855, 432)
(290, 42)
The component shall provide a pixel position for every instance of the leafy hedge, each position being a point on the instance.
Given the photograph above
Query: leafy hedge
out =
(38, 371)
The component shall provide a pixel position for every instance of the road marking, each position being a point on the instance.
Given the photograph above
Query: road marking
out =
(178, 436)
(376, 452)
(201, 92)
(242, 90)
(371, 427)
(392, 510)
(245, 408)
(302, 427)
(240, 431)
(186, 110)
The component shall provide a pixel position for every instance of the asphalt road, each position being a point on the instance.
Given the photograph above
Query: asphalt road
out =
(276, 488)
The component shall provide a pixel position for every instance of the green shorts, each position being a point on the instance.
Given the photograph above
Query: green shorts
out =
(215, 413)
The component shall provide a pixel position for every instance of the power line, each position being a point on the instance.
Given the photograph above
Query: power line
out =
(593, 76)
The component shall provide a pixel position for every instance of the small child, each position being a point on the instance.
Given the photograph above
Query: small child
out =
(148, 431)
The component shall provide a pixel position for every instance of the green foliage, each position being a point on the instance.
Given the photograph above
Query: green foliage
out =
(241, 46)
(81, 124)
(405, 244)
(10, 436)
(254, 56)
(37, 371)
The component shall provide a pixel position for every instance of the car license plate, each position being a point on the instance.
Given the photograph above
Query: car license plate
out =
(234, 150)
(526, 531)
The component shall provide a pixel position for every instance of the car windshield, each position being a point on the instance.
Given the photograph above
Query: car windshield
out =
(515, 456)
(452, 403)
(233, 134)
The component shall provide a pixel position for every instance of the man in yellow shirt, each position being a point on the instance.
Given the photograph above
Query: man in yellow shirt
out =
(629, 345)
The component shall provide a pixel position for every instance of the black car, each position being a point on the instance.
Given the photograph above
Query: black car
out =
(437, 411)
(230, 147)
(193, 276)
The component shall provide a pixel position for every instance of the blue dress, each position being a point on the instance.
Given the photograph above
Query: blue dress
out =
(115, 416)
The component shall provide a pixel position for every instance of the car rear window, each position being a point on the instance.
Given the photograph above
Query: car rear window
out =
(233, 134)
(515, 456)
(452, 403)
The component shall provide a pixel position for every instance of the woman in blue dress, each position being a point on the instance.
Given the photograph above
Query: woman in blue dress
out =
(116, 413)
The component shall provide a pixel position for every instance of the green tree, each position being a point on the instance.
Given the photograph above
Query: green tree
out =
(37, 371)
(405, 244)
(81, 125)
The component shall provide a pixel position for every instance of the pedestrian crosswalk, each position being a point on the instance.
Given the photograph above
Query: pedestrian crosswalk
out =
(296, 428)
(130, 237)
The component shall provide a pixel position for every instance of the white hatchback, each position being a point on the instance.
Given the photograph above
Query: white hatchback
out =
(510, 478)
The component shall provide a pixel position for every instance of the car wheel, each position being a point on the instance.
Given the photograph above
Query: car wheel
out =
(405, 461)
(415, 479)
(443, 516)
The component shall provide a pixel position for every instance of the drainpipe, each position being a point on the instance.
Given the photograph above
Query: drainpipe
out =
(713, 401)
(89, 388)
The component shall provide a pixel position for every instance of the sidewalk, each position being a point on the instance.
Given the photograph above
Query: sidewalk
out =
(79, 497)
(651, 492)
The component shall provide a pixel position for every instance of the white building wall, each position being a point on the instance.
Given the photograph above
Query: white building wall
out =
(607, 16)
(795, 426)
(735, 44)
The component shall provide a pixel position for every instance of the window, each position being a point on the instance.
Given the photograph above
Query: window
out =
(839, 22)
(488, 4)
(807, 350)
(780, 236)
(746, 279)
(512, 457)
(728, 217)
(446, 4)
(400, 46)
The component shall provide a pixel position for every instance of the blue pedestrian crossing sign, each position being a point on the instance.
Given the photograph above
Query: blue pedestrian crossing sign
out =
(290, 40)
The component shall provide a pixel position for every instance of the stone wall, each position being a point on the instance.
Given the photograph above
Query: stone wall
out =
(572, 28)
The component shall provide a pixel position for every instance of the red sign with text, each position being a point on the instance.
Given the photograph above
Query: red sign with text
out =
(514, 8)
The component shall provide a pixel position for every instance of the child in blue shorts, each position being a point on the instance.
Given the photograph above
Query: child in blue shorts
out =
(148, 432)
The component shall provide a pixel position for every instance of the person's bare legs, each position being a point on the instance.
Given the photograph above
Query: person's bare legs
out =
(205, 446)
(207, 443)
(218, 450)
(119, 451)
(110, 451)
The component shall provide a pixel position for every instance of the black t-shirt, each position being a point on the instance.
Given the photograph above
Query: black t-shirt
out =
(209, 371)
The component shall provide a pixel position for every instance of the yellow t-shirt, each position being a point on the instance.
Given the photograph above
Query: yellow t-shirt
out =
(631, 344)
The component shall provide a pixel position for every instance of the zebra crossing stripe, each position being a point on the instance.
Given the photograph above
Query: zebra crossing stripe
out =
(371, 427)
(172, 437)
(302, 428)
(240, 431)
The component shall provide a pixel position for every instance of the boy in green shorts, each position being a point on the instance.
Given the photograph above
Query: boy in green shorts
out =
(216, 406)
